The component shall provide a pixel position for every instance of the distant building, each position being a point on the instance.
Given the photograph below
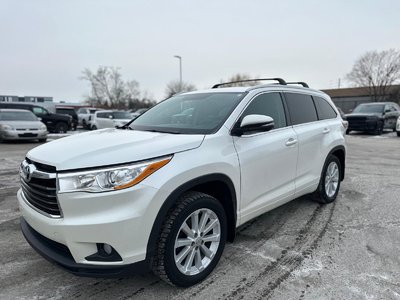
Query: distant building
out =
(36, 99)
(348, 98)
(46, 102)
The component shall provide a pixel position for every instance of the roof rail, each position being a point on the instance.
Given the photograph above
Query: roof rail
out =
(280, 80)
(299, 82)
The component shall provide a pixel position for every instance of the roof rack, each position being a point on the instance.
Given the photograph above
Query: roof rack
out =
(280, 80)
(299, 82)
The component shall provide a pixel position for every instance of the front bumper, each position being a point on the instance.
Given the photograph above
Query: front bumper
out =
(23, 135)
(122, 219)
(60, 255)
(364, 125)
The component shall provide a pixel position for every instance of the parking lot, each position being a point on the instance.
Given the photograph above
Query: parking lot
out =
(302, 250)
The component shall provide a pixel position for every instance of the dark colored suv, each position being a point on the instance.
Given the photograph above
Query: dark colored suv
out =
(54, 122)
(373, 117)
(71, 112)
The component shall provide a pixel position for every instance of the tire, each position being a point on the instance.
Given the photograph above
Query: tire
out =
(94, 127)
(378, 130)
(42, 140)
(322, 195)
(61, 127)
(84, 125)
(398, 133)
(348, 131)
(164, 262)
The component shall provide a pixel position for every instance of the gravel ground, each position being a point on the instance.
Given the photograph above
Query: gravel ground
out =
(302, 250)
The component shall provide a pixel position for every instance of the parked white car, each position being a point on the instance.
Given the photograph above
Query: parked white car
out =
(109, 119)
(398, 126)
(168, 194)
(20, 124)
(85, 115)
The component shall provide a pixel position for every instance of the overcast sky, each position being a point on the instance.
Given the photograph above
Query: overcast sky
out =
(44, 45)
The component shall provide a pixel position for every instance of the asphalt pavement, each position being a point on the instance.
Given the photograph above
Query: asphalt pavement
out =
(302, 250)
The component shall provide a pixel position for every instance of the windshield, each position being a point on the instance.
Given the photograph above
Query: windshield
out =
(92, 111)
(369, 108)
(192, 113)
(121, 115)
(17, 116)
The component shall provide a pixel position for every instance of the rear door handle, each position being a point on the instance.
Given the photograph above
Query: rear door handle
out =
(326, 130)
(290, 142)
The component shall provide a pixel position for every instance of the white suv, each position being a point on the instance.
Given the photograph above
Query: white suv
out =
(167, 191)
(109, 119)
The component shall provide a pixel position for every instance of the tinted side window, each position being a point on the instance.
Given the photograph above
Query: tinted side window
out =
(301, 108)
(39, 111)
(324, 109)
(269, 104)
(101, 115)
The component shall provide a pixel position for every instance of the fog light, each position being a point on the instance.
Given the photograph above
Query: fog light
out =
(105, 252)
(107, 248)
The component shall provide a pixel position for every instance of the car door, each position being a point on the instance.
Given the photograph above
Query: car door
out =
(44, 116)
(267, 159)
(98, 120)
(108, 121)
(310, 134)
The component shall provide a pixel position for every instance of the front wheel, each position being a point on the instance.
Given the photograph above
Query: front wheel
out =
(398, 133)
(61, 127)
(191, 241)
(329, 183)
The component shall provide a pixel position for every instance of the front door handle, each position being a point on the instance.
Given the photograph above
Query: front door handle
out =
(291, 142)
(326, 130)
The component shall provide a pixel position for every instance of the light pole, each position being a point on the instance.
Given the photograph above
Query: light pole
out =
(180, 71)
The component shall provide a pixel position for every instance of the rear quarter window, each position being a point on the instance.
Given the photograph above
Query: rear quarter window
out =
(301, 108)
(324, 109)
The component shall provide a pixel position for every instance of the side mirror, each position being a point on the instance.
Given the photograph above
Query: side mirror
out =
(254, 123)
(387, 110)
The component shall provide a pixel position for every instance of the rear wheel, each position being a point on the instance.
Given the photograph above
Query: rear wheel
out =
(61, 127)
(191, 241)
(42, 140)
(94, 127)
(348, 131)
(329, 183)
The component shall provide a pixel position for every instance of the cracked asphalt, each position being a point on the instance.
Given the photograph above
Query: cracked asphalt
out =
(302, 250)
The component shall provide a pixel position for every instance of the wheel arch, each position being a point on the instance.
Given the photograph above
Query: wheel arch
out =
(340, 153)
(219, 186)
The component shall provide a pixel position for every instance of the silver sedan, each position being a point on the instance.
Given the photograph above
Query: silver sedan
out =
(19, 124)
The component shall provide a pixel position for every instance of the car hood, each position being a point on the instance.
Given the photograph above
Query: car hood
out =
(23, 124)
(110, 147)
(349, 116)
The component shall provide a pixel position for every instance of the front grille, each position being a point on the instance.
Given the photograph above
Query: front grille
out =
(27, 135)
(40, 189)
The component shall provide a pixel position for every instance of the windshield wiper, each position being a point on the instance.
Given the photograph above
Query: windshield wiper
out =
(163, 131)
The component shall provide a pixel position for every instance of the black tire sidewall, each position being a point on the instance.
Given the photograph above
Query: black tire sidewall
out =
(322, 191)
(173, 273)
(61, 128)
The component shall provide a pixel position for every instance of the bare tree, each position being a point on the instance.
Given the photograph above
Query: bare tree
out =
(240, 77)
(175, 87)
(108, 89)
(377, 71)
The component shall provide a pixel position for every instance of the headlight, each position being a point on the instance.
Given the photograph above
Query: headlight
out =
(6, 127)
(109, 179)
(43, 127)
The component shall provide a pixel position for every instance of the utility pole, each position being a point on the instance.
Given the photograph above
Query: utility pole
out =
(338, 83)
(180, 71)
